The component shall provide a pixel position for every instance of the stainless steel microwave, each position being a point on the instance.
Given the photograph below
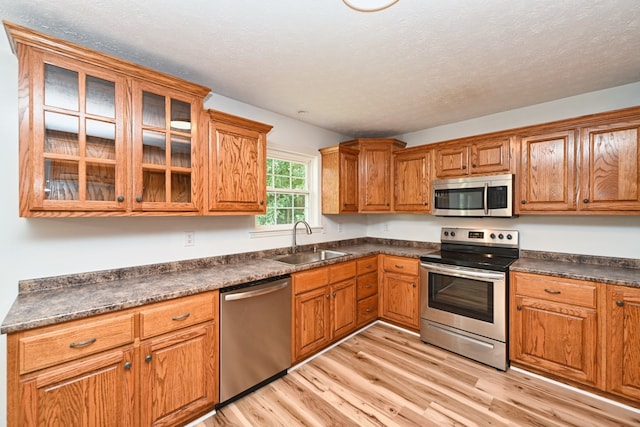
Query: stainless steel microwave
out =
(477, 196)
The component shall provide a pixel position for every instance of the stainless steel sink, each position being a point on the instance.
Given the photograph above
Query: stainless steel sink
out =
(307, 257)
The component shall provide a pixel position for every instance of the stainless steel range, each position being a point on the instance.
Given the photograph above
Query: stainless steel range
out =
(464, 293)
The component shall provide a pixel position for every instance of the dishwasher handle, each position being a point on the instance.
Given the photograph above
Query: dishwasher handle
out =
(256, 293)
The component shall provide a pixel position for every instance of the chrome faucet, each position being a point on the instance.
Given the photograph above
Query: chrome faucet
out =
(294, 245)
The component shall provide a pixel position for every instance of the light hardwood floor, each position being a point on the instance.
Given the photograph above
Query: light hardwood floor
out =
(387, 377)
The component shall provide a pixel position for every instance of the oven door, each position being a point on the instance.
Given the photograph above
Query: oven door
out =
(468, 299)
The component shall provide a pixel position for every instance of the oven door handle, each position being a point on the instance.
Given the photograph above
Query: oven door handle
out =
(463, 273)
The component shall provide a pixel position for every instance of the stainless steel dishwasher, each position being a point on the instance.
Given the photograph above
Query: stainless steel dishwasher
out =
(255, 335)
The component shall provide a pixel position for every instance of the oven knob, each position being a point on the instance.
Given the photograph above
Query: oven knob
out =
(500, 236)
(509, 237)
(446, 233)
(453, 234)
(492, 235)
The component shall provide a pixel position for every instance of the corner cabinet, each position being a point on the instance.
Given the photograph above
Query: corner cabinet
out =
(102, 136)
(237, 164)
(375, 172)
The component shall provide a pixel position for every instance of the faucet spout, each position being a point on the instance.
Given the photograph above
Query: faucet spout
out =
(294, 244)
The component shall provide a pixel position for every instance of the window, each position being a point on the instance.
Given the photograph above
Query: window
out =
(290, 190)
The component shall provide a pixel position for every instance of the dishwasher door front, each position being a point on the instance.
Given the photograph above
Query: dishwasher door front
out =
(255, 335)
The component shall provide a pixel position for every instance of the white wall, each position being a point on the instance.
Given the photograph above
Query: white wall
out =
(616, 236)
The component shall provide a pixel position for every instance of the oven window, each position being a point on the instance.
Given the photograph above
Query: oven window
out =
(465, 297)
(460, 198)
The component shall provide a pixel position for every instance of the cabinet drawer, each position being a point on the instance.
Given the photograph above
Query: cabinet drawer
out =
(367, 265)
(60, 343)
(401, 265)
(549, 288)
(367, 285)
(176, 314)
(342, 271)
(310, 279)
(367, 309)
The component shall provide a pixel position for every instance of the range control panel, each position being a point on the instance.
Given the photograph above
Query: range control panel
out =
(482, 237)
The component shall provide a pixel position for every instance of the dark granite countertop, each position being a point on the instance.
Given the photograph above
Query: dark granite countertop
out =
(53, 300)
(613, 274)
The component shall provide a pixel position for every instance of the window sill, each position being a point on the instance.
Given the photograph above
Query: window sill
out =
(281, 232)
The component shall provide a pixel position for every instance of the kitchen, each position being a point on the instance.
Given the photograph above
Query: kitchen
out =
(50, 247)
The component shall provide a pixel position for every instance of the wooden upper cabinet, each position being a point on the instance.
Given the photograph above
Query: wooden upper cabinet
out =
(237, 164)
(546, 176)
(102, 136)
(166, 150)
(339, 180)
(458, 159)
(610, 167)
(412, 181)
(375, 171)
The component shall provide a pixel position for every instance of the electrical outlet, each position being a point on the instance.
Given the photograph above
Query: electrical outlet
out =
(189, 238)
(385, 226)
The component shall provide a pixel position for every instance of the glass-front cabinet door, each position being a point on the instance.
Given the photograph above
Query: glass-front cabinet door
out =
(78, 151)
(164, 149)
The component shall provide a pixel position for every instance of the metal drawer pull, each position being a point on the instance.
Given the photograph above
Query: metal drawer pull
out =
(399, 266)
(549, 291)
(181, 317)
(82, 343)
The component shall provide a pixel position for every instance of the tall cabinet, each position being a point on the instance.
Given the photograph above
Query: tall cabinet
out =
(102, 136)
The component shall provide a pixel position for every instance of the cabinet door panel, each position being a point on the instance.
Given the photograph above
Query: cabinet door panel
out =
(412, 182)
(452, 161)
(348, 197)
(399, 299)
(610, 167)
(623, 353)
(547, 177)
(491, 156)
(96, 391)
(344, 314)
(560, 339)
(178, 374)
(312, 322)
(375, 177)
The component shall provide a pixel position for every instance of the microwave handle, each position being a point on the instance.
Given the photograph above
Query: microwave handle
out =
(456, 272)
(486, 198)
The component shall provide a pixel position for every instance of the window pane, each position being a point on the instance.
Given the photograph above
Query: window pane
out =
(269, 181)
(282, 167)
(101, 140)
(298, 184)
(298, 214)
(153, 148)
(300, 201)
(61, 134)
(298, 170)
(180, 116)
(282, 182)
(284, 200)
(283, 216)
(153, 110)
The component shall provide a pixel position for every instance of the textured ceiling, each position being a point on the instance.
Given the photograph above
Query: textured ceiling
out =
(413, 66)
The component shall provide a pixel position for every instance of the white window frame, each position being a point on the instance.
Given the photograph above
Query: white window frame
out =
(313, 181)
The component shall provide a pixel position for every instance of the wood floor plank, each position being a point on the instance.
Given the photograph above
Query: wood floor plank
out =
(387, 377)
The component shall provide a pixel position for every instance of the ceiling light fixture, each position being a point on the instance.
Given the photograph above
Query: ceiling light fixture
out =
(369, 5)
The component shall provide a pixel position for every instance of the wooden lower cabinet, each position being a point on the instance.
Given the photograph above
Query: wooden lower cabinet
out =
(97, 372)
(178, 375)
(324, 307)
(554, 327)
(367, 292)
(623, 346)
(400, 291)
(95, 391)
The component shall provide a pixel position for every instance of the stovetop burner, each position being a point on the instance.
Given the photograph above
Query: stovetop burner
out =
(486, 249)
